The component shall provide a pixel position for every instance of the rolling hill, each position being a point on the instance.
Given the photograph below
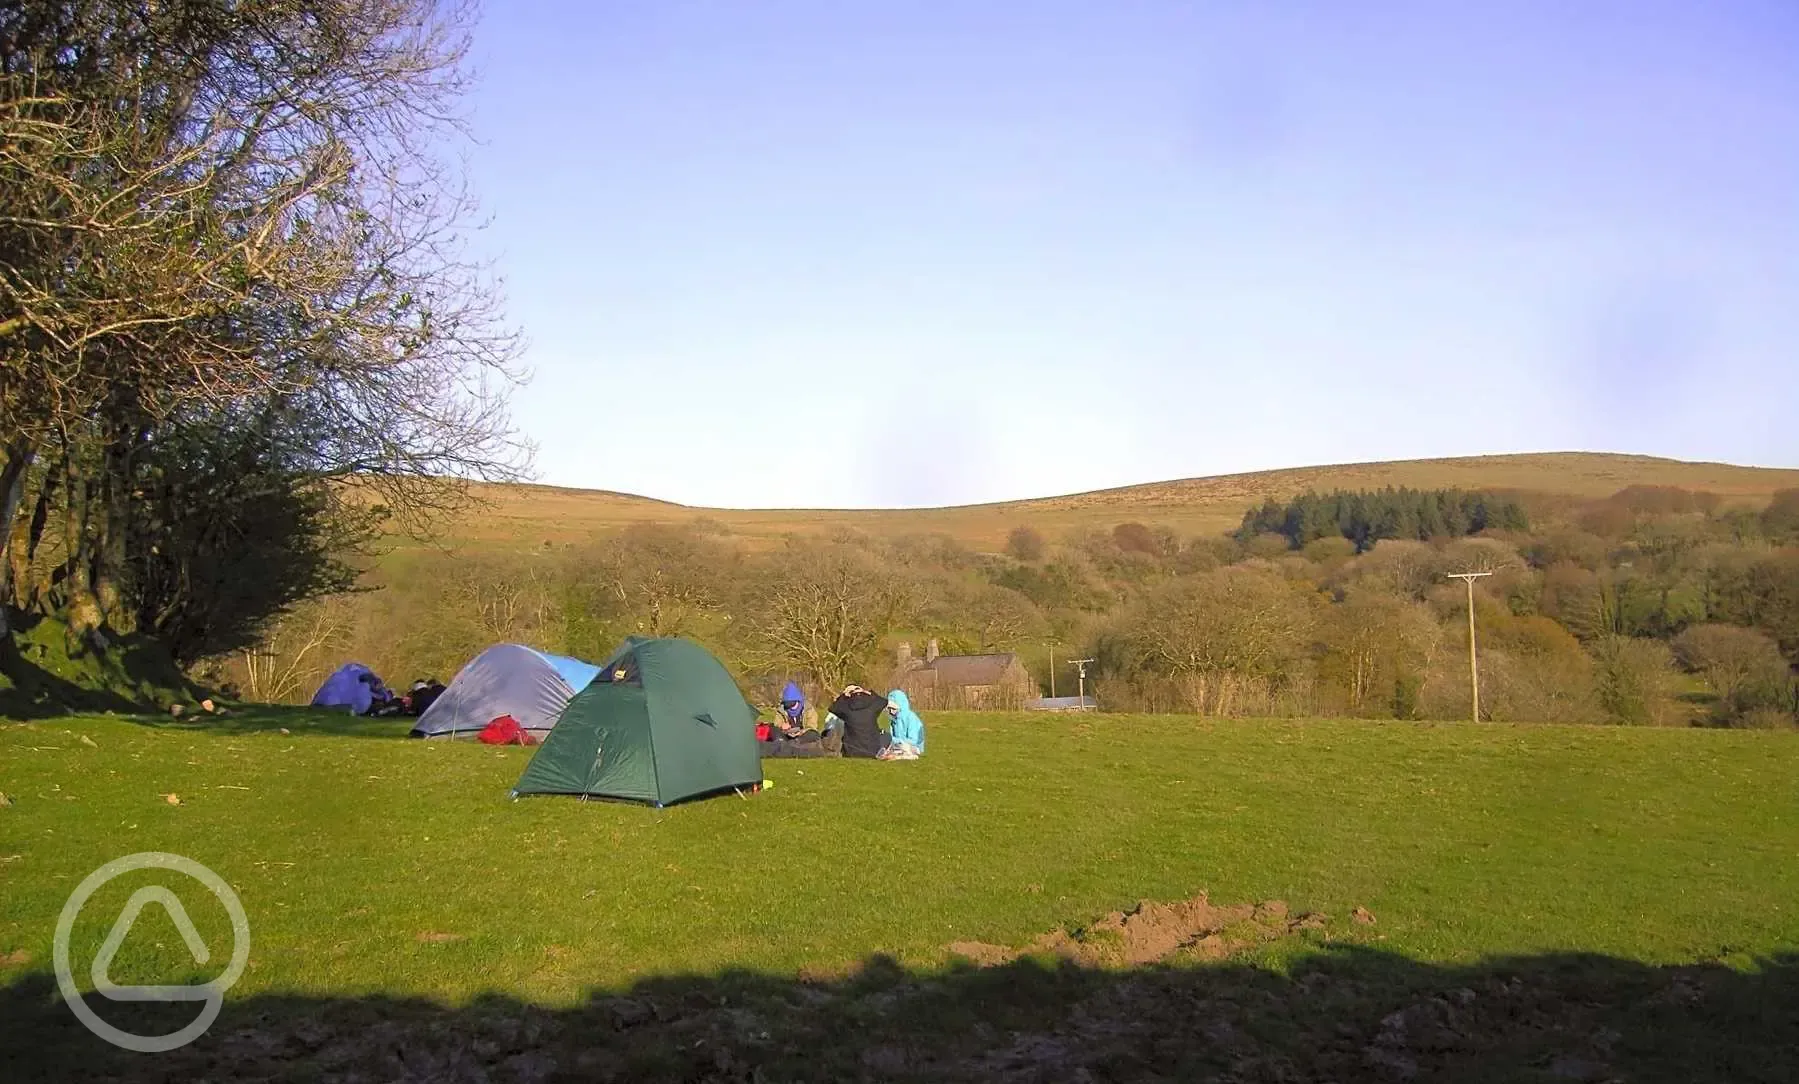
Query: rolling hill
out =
(533, 514)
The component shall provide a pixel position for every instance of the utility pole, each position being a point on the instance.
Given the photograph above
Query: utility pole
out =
(1052, 672)
(1081, 666)
(1473, 666)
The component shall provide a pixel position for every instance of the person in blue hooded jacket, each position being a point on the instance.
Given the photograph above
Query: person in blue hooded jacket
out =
(795, 733)
(796, 716)
(906, 740)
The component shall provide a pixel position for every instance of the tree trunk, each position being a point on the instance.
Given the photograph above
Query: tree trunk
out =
(109, 552)
(82, 607)
(27, 589)
(12, 492)
(12, 489)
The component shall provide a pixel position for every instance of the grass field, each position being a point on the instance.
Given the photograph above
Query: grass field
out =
(1538, 903)
(532, 514)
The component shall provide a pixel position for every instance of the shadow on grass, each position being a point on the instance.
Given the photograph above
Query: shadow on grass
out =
(37, 682)
(262, 718)
(1343, 1014)
(239, 719)
(46, 675)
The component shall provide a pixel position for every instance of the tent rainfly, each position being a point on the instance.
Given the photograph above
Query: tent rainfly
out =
(506, 679)
(351, 686)
(663, 722)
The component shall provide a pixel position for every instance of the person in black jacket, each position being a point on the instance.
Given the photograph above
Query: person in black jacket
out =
(424, 693)
(861, 711)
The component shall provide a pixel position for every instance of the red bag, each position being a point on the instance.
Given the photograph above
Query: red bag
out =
(504, 730)
(764, 732)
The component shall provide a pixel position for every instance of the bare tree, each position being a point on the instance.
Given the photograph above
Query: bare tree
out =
(505, 598)
(1223, 630)
(663, 576)
(282, 667)
(822, 609)
(993, 618)
(217, 210)
(1401, 567)
(1744, 668)
(1376, 640)
(1025, 543)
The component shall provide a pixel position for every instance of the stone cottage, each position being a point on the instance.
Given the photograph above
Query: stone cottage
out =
(963, 682)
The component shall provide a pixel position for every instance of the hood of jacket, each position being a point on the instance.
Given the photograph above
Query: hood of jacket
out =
(796, 697)
(907, 726)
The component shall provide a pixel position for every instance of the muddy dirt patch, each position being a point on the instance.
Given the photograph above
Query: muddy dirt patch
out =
(1155, 932)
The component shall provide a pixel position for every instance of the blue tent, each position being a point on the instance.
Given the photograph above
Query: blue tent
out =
(351, 686)
(506, 679)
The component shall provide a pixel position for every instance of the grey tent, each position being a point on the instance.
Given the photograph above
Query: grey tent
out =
(506, 679)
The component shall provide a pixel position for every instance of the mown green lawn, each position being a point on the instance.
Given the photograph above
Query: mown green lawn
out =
(372, 867)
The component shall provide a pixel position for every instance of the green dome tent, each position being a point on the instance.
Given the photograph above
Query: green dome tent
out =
(662, 722)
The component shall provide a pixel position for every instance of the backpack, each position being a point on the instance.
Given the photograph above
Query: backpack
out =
(504, 730)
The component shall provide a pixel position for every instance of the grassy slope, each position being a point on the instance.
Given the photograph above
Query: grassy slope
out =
(534, 514)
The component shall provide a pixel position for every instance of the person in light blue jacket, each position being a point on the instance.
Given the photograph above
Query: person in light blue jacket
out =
(907, 733)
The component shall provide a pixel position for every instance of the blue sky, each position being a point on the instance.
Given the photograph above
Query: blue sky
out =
(875, 253)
